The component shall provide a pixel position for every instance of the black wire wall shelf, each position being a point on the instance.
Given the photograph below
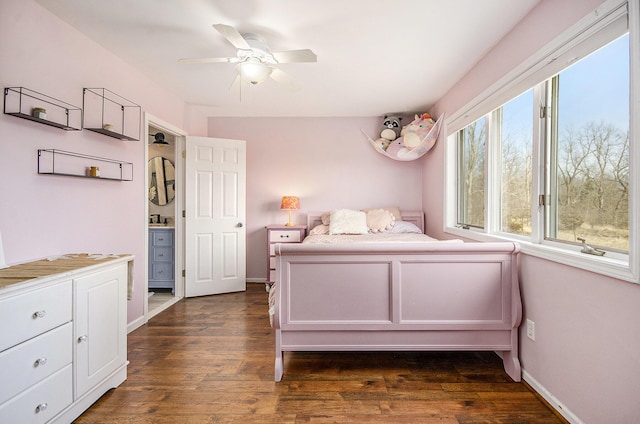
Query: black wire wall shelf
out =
(71, 164)
(110, 114)
(28, 104)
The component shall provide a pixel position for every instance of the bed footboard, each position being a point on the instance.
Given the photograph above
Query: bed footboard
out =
(426, 296)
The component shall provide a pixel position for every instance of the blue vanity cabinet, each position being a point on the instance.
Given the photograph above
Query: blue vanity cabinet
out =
(161, 259)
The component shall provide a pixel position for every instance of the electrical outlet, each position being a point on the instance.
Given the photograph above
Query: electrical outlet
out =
(531, 330)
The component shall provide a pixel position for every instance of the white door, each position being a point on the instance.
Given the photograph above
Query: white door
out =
(215, 190)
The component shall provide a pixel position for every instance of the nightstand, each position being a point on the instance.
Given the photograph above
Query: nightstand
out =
(280, 234)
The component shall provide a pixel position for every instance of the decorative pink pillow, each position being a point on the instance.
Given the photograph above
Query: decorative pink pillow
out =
(379, 220)
(319, 230)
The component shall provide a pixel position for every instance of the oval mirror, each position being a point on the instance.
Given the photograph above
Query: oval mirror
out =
(162, 177)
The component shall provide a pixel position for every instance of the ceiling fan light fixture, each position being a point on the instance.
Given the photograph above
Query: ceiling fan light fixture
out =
(254, 71)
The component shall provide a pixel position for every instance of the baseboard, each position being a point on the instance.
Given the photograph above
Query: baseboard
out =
(135, 324)
(256, 280)
(550, 399)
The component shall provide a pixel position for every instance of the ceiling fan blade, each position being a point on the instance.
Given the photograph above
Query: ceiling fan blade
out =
(209, 60)
(295, 56)
(285, 80)
(233, 36)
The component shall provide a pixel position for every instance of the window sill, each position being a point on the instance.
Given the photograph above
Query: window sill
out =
(608, 266)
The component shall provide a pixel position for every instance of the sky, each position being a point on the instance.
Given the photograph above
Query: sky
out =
(595, 88)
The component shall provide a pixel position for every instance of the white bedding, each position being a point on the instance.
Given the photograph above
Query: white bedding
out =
(371, 238)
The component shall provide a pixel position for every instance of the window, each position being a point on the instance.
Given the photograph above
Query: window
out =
(515, 125)
(589, 150)
(471, 142)
(550, 166)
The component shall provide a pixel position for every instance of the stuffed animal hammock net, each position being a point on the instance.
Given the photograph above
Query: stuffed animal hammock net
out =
(398, 151)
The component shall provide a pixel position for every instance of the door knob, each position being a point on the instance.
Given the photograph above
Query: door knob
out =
(239, 225)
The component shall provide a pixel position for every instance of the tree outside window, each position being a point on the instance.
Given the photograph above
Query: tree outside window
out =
(585, 138)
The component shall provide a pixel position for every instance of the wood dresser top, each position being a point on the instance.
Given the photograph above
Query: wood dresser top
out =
(27, 271)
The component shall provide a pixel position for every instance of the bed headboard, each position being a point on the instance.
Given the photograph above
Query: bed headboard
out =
(414, 217)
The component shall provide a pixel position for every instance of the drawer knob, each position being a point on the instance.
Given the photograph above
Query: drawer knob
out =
(82, 338)
(39, 314)
(284, 235)
(42, 407)
(160, 239)
(39, 362)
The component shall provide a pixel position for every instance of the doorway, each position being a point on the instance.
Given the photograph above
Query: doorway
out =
(164, 185)
(217, 250)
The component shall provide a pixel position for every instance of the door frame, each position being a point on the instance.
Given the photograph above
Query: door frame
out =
(180, 135)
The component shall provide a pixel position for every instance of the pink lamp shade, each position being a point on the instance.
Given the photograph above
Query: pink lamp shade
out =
(290, 203)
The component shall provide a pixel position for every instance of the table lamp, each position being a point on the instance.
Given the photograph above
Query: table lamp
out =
(290, 203)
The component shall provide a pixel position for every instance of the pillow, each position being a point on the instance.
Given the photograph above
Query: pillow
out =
(404, 227)
(346, 221)
(325, 217)
(379, 220)
(393, 209)
(319, 230)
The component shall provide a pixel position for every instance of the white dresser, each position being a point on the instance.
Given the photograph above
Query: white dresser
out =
(63, 335)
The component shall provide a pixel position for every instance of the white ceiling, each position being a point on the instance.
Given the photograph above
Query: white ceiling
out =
(374, 56)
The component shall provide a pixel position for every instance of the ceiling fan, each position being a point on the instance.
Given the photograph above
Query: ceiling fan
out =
(256, 62)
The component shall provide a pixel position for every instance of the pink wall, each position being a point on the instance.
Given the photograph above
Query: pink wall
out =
(327, 162)
(587, 348)
(587, 344)
(43, 215)
(586, 352)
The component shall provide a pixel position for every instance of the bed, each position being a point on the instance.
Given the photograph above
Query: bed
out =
(396, 296)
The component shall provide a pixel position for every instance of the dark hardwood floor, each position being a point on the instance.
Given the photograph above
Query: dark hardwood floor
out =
(210, 360)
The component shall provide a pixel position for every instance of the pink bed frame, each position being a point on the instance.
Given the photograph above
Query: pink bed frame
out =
(397, 297)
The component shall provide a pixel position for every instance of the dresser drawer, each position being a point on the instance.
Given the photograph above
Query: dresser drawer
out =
(162, 238)
(163, 254)
(162, 271)
(25, 316)
(27, 363)
(41, 402)
(280, 236)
